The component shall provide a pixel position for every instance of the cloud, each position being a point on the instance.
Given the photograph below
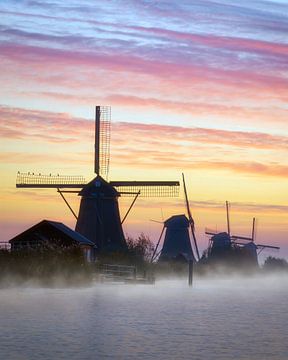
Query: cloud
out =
(57, 127)
(17, 123)
(243, 207)
(251, 167)
(149, 145)
(196, 109)
(253, 113)
(238, 44)
(58, 160)
(179, 73)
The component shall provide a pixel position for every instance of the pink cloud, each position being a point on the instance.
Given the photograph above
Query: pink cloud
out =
(256, 168)
(53, 127)
(198, 108)
(56, 127)
(222, 42)
(148, 145)
(58, 160)
(56, 59)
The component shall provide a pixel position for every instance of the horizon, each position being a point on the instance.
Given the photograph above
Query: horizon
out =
(195, 88)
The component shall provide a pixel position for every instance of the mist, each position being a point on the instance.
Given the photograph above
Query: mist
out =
(218, 318)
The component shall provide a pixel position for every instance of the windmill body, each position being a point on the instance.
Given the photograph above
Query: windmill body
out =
(250, 251)
(177, 244)
(220, 244)
(99, 216)
(177, 240)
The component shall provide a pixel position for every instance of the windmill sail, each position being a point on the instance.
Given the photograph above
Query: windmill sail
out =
(31, 180)
(147, 188)
(102, 140)
(191, 221)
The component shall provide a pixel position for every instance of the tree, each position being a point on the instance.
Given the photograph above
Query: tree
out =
(142, 247)
(273, 264)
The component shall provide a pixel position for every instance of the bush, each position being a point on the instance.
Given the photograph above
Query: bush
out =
(139, 254)
(44, 267)
(275, 264)
(141, 248)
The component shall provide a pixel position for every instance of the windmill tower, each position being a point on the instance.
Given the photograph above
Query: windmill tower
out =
(177, 241)
(177, 238)
(99, 217)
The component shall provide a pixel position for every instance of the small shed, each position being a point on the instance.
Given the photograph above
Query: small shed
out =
(52, 234)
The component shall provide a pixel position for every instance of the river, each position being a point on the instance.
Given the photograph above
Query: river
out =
(216, 319)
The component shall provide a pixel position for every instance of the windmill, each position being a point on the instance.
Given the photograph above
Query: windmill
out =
(177, 238)
(176, 244)
(99, 217)
(221, 242)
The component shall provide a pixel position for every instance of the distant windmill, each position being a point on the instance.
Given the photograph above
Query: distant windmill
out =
(99, 216)
(177, 239)
(220, 241)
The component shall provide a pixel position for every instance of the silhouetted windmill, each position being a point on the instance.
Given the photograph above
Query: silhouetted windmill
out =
(176, 243)
(99, 216)
(177, 239)
(220, 242)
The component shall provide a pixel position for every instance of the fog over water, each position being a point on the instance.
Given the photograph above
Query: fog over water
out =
(217, 319)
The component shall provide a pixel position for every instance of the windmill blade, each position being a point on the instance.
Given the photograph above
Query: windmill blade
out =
(156, 248)
(102, 140)
(147, 188)
(31, 180)
(187, 203)
(228, 218)
(211, 231)
(156, 221)
(253, 229)
(236, 237)
(268, 246)
(191, 221)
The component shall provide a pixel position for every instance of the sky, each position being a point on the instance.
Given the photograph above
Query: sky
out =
(198, 87)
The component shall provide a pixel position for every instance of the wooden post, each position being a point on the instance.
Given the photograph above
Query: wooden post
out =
(190, 274)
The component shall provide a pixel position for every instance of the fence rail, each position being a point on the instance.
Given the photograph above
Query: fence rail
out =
(117, 272)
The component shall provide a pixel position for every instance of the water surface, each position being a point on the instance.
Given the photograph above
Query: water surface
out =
(223, 319)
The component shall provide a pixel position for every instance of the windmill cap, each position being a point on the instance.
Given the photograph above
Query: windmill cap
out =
(177, 221)
(98, 186)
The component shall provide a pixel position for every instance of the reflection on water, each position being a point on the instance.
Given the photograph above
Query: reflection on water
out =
(215, 320)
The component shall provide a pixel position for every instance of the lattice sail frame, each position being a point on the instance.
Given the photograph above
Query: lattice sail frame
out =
(49, 181)
(147, 188)
(125, 188)
(104, 139)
